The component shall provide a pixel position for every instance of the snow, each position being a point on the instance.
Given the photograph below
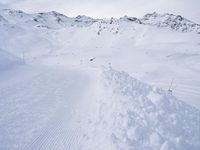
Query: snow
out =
(134, 120)
(84, 83)
(8, 60)
(2, 20)
(176, 22)
(30, 108)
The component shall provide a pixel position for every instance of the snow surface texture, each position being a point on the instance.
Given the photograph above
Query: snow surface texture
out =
(43, 111)
(8, 60)
(134, 115)
(54, 93)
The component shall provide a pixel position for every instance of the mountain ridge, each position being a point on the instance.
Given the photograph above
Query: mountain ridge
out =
(54, 19)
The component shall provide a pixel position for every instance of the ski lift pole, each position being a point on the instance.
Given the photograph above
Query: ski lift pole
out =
(170, 87)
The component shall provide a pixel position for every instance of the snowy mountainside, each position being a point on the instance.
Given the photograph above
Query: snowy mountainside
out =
(14, 16)
(144, 50)
(111, 111)
(62, 98)
(48, 20)
(56, 20)
(134, 115)
(175, 22)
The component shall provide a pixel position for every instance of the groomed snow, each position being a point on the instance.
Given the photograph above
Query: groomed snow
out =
(61, 84)
(92, 109)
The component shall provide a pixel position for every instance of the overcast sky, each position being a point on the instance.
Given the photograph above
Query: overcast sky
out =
(109, 8)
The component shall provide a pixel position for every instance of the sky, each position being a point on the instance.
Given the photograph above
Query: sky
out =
(109, 8)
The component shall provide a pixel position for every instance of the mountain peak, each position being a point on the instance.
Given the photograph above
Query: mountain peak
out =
(54, 19)
(176, 22)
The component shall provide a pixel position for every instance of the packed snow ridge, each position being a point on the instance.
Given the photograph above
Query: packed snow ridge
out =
(56, 20)
(134, 115)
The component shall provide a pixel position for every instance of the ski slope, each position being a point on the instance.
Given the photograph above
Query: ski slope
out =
(82, 83)
(57, 108)
(41, 111)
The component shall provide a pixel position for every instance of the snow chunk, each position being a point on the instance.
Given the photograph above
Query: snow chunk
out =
(154, 97)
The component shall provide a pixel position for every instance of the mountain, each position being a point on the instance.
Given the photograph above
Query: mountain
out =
(49, 19)
(175, 22)
(83, 83)
(56, 20)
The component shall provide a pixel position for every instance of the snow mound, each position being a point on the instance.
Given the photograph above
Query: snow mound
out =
(8, 60)
(137, 116)
(172, 21)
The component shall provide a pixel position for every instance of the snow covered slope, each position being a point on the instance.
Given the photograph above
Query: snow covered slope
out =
(56, 20)
(8, 60)
(49, 20)
(175, 22)
(3, 20)
(63, 99)
(61, 108)
(144, 47)
(134, 115)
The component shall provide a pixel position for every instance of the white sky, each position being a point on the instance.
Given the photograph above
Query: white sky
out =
(109, 8)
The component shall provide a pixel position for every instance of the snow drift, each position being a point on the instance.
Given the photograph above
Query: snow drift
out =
(134, 115)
